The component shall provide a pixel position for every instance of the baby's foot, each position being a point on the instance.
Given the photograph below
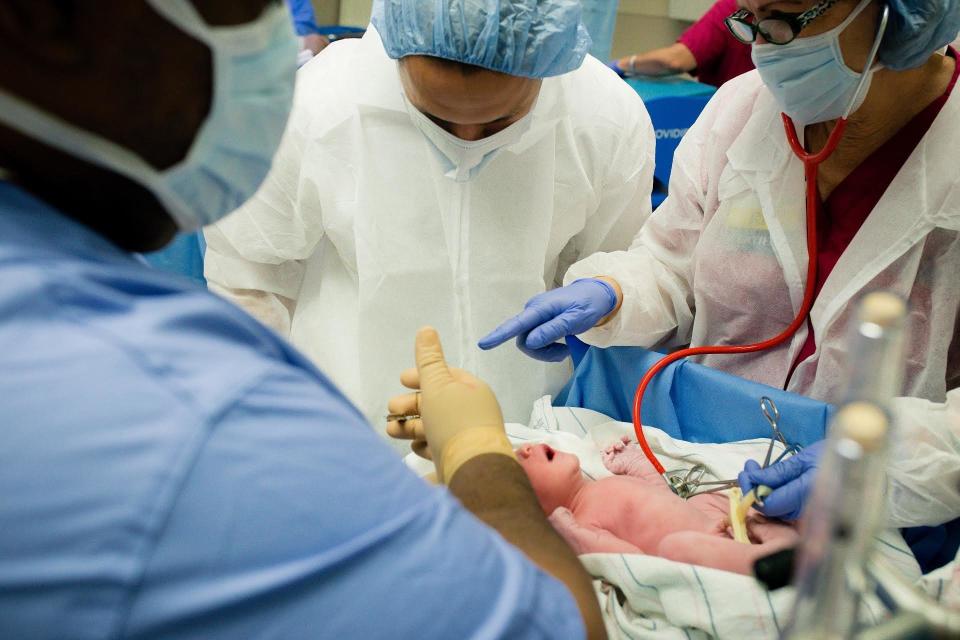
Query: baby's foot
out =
(626, 459)
(619, 445)
(610, 454)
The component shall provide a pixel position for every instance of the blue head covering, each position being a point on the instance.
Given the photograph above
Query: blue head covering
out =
(916, 29)
(529, 38)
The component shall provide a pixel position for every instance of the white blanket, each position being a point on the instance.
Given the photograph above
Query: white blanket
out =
(650, 597)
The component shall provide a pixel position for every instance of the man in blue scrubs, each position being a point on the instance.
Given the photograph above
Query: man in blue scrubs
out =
(168, 467)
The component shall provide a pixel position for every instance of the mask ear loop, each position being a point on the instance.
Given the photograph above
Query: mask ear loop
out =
(92, 148)
(871, 59)
(183, 15)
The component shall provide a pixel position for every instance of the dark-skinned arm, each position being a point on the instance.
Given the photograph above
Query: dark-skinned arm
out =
(496, 490)
(457, 417)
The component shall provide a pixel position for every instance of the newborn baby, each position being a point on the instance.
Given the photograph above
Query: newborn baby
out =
(635, 512)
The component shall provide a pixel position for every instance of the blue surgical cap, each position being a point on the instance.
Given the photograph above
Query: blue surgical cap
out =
(529, 38)
(916, 29)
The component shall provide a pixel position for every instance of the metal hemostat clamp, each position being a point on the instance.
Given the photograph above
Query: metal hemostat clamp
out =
(684, 484)
(713, 487)
(690, 483)
(772, 414)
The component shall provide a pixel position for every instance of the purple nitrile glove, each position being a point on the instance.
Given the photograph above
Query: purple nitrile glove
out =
(553, 352)
(791, 481)
(553, 315)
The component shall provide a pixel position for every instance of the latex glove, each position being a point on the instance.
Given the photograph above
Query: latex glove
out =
(553, 315)
(459, 414)
(791, 480)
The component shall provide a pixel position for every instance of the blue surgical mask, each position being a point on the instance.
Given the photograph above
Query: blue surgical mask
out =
(254, 66)
(808, 77)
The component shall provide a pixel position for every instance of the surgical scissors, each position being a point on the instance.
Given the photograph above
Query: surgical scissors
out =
(772, 414)
(688, 486)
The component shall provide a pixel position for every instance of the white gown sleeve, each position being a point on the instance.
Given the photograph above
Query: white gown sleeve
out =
(255, 255)
(625, 195)
(655, 272)
(924, 471)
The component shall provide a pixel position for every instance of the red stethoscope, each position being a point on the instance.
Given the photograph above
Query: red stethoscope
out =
(811, 164)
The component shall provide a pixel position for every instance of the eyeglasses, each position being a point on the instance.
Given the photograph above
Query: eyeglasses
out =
(779, 28)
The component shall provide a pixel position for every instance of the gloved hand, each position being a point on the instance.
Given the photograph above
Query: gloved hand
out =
(553, 315)
(460, 417)
(791, 480)
(553, 352)
(624, 67)
(615, 65)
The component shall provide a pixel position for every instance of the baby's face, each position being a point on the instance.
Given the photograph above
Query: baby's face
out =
(553, 474)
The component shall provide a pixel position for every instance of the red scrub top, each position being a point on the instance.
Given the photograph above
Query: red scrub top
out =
(719, 55)
(841, 215)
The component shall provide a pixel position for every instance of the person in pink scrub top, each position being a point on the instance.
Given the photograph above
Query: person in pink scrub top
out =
(706, 50)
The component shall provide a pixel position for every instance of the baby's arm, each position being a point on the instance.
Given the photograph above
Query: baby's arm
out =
(585, 538)
(719, 552)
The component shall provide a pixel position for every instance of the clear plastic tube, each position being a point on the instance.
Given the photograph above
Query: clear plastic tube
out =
(876, 353)
(847, 507)
(831, 566)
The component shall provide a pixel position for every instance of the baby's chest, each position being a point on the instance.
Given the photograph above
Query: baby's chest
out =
(635, 510)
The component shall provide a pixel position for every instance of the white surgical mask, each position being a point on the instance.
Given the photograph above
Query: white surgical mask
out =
(253, 70)
(463, 159)
(809, 78)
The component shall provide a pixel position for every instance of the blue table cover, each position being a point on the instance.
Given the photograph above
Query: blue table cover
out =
(687, 400)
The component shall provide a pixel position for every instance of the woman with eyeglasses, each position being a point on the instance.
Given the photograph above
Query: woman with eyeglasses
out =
(724, 261)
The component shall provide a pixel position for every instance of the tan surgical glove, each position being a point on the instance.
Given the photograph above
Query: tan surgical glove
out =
(459, 415)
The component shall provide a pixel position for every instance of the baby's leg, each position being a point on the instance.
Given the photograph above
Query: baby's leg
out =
(762, 530)
(720, 552)
(584, 538)
(626, 459)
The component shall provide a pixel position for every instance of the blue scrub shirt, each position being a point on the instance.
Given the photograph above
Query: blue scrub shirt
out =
(169, 468)
(304, 18)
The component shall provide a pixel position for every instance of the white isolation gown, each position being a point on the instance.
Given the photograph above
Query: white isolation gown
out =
(358, 237)
(723, 261)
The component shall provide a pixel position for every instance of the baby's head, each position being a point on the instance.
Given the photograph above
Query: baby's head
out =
(555, 475)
